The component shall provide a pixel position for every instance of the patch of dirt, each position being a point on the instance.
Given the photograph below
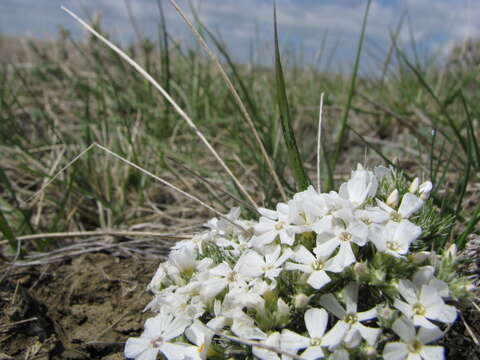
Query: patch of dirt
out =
(83, 309)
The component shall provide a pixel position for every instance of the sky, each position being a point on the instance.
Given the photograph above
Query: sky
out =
(320, 32)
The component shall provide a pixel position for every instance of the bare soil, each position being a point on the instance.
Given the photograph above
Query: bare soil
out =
(81, 309)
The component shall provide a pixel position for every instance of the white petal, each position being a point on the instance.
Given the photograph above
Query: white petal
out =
(313, 353)
(406, 233)
(423, 322)
(286, 237)
(442, 312)
(260, 240)
(350, 294)
(404, 328)
(268, 213)
(301, 267)
(336, 334)
(340, 354)
(395, 351)
(250, 264)
(302, 255)
(179, 351)
(423, 275)
(368, 333)
(330, 303)
(135, 346)
(212, 287)
(344, 257)
(407, 289)
(293, 341)
(427, 336)
(432, 353)
(318, 279)
(410, 205)
(316, 322)
(328, 247)
(405, 308)
(367, 315)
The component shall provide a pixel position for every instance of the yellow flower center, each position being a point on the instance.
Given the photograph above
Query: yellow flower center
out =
(315, 342)
(346, 236)
(318, 265)
(351, 319)
(280, 225)
(395, 216)
(415, 347)
(393, 246)
(232, 276)
(419, 309)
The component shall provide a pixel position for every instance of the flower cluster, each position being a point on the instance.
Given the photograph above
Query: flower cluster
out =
(338, 275)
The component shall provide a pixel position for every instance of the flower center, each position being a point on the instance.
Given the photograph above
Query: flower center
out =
(318, 265)
(315, 342)
(367, 221)
(267, 268)
(157, 342)
(393, 245)
(201, 348)
(351, 319)
(395, 216)
(415, 347)
(280, 225)
(346, 236)
(232, 276)
(419, 309)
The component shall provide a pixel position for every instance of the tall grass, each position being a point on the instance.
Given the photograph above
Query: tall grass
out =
(73, 93)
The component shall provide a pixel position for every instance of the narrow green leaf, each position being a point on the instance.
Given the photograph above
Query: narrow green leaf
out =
(7, 231)
(296, 163)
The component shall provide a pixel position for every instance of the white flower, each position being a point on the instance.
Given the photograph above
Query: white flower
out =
(222, 276)
(315, 266)
(350, 320)
(413, 345)
(316, 323)
(362, 185)
(269, 265)
(395, 238)
(178, 304)
(410, 205)
(347, 230)
(156, 338)
(423, 304)
(425, 189)
(273, 224)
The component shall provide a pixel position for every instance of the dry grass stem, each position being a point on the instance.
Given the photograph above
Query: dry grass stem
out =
(319, 143)
(179, 110)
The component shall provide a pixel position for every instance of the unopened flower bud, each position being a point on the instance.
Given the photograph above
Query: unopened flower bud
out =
(452, 251)
(386, 315)
(301, 300)
(419, 257)
(393, 198)
(360, 270)
(414, 185)
(424, 190)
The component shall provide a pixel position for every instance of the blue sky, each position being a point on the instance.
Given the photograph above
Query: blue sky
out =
(434, 24)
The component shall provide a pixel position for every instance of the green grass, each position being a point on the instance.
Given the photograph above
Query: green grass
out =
(417, 115)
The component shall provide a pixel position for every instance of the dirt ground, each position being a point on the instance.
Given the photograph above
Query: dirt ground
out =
(81, 309)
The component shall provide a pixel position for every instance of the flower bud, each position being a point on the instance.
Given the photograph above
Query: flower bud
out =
(419, 257)
(452, 251)
(301, 300)
(414, 185)
(424, 190)
(393, 198)
(386, 315)
(360, 271)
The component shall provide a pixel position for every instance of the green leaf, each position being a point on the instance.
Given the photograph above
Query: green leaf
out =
(7, 231)
(301, 178)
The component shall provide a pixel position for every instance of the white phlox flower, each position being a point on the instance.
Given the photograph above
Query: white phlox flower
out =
(185, 260)
(372, 216)
(269, 264)
(362, 185)
(349, 326)
(178, 304)
(316, 323)
(395, 238)
(316, 266)
(346, 231)
(413, 345)
(410, 205)
(221, 277)
(274, 224)
(423, 304)
(156, 338)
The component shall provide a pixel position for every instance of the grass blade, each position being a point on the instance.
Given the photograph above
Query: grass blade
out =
(8, 232)
(296, 163)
